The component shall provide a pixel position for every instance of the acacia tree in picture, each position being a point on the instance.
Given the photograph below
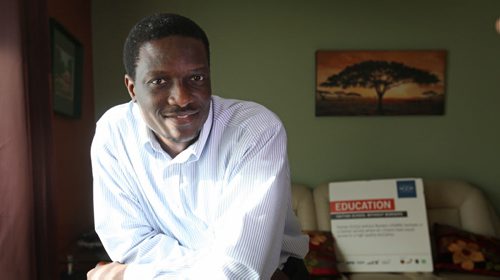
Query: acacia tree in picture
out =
(380, 76)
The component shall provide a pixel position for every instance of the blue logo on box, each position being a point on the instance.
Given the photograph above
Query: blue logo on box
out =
(406, 188)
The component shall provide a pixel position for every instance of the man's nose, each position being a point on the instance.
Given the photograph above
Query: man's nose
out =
(179, 95)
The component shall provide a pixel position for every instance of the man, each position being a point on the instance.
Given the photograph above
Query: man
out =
(188, 185)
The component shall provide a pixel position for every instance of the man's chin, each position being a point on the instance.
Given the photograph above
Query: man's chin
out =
(183, 138)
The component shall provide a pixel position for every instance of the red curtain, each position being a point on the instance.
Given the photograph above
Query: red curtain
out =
(25, 129)
(16, 199)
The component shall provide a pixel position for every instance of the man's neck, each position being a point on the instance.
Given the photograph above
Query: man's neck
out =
(173, 148)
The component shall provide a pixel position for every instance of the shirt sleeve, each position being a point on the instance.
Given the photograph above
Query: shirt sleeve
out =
(248, 235)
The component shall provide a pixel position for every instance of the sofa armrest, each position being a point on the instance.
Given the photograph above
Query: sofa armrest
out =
(460, 204)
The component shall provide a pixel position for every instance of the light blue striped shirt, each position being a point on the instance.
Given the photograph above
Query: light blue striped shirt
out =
(221, 209)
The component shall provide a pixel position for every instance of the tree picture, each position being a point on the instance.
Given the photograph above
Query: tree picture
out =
(380, 82)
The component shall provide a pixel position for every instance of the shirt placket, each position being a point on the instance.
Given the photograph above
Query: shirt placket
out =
(173, 182)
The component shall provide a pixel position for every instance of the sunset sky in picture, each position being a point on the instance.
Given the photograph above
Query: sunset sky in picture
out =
(329, 63)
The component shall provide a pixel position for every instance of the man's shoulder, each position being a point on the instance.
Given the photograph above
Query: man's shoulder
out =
(233, 112)
(118, 122)
(117, 114)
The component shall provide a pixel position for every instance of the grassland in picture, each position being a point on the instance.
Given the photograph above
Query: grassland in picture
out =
(367, 106)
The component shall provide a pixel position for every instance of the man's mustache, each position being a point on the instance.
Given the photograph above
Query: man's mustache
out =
(176, 110)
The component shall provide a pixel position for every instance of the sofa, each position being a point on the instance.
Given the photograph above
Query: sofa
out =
(449, 202)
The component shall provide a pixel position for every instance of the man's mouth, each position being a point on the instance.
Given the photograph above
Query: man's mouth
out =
(185, 114)
(182, 117)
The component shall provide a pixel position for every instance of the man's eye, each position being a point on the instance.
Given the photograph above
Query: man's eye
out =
(157, 82)
(198, 78)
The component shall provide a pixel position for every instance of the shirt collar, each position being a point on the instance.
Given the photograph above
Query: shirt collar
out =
(205, 131)
(148, 140)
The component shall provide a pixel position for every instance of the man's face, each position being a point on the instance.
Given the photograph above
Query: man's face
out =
(172, 88)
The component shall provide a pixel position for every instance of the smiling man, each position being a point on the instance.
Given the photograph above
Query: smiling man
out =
(172, 88)
(188, 185)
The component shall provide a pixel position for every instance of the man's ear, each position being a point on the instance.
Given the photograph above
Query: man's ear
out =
(129, 84)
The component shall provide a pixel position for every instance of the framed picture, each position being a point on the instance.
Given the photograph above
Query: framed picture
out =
(380, 83)
(66, 72)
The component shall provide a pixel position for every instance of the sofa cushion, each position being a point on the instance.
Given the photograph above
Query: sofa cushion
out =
(451, 202)
(303, 206)
(322, 205)
(321, 260)
(463, 251)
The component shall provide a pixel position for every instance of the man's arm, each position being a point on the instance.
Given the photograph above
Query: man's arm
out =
(250, 233)
(119, 218)
(111, 271)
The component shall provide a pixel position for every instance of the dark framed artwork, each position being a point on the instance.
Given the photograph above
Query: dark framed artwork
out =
(66, 72)
(376, 83)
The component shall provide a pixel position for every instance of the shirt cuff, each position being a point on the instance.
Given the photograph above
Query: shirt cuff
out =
(139, 271)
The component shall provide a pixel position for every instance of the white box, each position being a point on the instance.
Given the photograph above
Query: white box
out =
(380, 226)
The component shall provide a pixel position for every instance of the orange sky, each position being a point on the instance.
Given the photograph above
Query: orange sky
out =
(332, 62)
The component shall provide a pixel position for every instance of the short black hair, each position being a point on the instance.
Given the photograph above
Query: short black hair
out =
(155, 27)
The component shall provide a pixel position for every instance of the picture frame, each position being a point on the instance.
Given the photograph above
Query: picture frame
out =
(380, 82)
(66, 71)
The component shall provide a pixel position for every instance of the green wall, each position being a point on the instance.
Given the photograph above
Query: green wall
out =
(265, 50)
